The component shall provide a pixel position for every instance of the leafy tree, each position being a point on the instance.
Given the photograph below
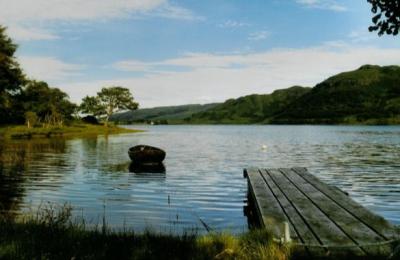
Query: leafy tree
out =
(108, 101)
(91, 105)
(50, 104)
(387, 16)
(11, 76)
(115, 99)
(17, 95)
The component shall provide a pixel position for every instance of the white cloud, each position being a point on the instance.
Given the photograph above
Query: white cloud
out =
(232, 24)
(362, 35)
(20, 33)
(188, 61)
(45, 10)
(17, 14)
(172, 11)
(212, 77)
(48, 68)
(257, 36)
(133, 65)
(72, 10)
(323, 4)
(202, 60)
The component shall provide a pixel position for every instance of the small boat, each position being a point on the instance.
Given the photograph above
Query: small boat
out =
(145, 154)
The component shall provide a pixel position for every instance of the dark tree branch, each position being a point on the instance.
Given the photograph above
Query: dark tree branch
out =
(386, 17)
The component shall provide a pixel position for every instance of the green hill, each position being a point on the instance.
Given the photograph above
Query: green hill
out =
(165, 114)
(249, 109)
(370, 94)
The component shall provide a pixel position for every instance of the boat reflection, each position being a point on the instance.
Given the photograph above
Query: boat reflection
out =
(147, 168)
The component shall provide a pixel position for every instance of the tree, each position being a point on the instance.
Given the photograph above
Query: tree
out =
(51, 105)
(91, 105)
(11, 76)
(115, 99)
(108, 101)
(387, 16)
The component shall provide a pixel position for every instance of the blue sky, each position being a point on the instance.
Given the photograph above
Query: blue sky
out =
(178, 52)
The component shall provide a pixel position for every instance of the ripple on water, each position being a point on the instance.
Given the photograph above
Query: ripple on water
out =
(203, 182)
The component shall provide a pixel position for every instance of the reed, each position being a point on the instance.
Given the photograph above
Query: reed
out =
(51, 233)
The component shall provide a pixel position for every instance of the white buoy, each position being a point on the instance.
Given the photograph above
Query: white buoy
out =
(264, 147)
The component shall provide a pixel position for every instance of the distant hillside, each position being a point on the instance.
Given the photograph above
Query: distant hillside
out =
(249, 109)
(161, 114)
(370, 94)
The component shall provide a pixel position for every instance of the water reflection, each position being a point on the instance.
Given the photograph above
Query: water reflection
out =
(204, 179)
(16, 158)
(147, 168)
(11, 190)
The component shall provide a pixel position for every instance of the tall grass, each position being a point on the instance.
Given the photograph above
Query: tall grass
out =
(256, 244)
(51, 233)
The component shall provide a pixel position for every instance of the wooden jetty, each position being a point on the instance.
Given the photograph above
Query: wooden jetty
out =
(321, 219)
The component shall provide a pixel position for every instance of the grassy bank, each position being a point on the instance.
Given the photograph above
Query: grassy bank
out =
(73, 130)
(52, 235)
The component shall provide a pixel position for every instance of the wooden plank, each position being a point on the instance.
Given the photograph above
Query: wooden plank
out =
(304, 233)
(375, 222)
(270, 213)
(356, 230)
(326, 230)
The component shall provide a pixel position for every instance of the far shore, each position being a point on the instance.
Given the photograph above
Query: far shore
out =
(370, 122)
(70, 131)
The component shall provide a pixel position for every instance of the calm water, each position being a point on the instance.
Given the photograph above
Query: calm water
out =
(203, 179)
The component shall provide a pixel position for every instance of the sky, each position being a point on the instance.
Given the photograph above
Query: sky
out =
(173, 52)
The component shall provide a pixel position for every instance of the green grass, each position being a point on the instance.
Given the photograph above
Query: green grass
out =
(51, 234)
(73, 130)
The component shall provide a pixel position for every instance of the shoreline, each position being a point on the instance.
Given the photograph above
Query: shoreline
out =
(69, 131)
(53, 233)
(257, 124)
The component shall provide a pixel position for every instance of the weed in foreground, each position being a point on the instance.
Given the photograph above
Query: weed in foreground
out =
(51, 234)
